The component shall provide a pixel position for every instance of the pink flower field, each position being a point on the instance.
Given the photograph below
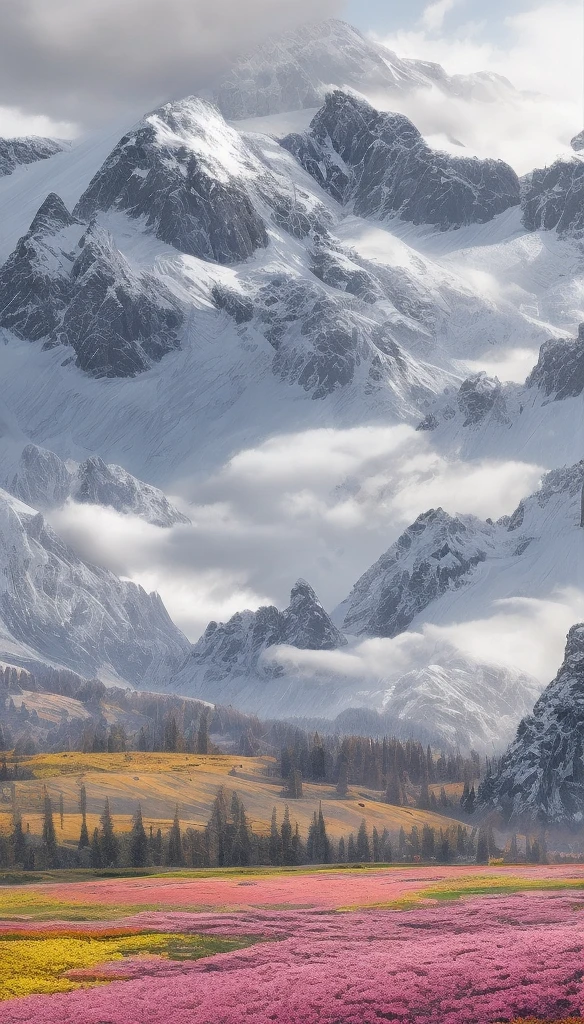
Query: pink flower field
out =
(479, 959)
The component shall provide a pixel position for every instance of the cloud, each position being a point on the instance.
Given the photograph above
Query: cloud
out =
(81, 60)
(521, 634)
(527, 128)
(434, 14)
(320, 504)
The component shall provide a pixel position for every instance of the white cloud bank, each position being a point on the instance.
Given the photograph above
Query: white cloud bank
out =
(541, 55)
(320, 504)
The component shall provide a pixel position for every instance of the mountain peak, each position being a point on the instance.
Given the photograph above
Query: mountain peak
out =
(51, 216)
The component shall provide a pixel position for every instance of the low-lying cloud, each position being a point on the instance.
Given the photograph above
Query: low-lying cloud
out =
(319, 504)
(527, 128)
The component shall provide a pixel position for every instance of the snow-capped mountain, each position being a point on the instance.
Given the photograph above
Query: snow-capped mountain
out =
(177, 292)
(230, 653)
(540, 780)
(381, 165)
(57, 609)
(445, 563)
(45, 482)
(296, 70)
(27, 150)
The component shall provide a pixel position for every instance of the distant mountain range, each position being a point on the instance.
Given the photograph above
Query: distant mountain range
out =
(224, 272)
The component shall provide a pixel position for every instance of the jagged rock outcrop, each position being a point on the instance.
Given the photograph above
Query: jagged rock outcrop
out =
(577, 143)
(480, 395)
(437, 553)
(324, 341)
(68, 284)
(234, 648)
(44, 481)
(26, 150)
(185, 172)
(380, 163)
(553, 198)
(541, 777)
(559, 371)
(58, 609)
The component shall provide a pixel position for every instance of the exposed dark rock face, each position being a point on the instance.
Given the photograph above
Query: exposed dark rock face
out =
(553, 198)
(541, 777)
(34, 281)
(577, 143)
(559, 371)
(437, 553)
(67, 285)
(478, 396)
(117, 322)
(27, 150)
(380, 163)
(235, 647)
(163, 171)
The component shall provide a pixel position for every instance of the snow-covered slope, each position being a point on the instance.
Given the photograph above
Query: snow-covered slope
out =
(448, 568)
(541, 777)
(55, 608)
(296, 70)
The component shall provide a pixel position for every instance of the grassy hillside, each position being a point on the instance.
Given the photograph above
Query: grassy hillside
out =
(160, 781)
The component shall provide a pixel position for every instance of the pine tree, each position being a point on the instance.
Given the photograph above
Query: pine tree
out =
(216, 833)
(295, 784)
(84, 834)
(157, 848)
(375, 846)
(286, 838)
(401, 844)
(275, 847)
(95, 850)
(393, 791)
(61, 811)
(351, 849)
(18, 842)
(341, 851)
(138, 841)
(203, 733)
(363, 846)
(428, 842)
(49, 837)
(108, 842)
(174, 857)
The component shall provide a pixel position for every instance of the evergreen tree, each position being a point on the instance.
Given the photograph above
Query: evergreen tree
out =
(84, 834)
(363, 846)
(157, 848)
(174, 854)
(95, 850)
(217, 837)
(351, 849)
(49, 837)
(138, 841)
(342, 855)
(241, 848)
(18, 842)
(375, 846)
(428, 842)
(402, 845)
(286, 838)
(275, 848)
(61, 811)
(108, 842)
(393, 792)
(297, 846)
(295, 784)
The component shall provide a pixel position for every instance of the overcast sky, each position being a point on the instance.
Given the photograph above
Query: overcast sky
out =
(65, 63)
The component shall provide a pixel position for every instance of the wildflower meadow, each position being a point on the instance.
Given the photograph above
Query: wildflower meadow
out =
(422, 945)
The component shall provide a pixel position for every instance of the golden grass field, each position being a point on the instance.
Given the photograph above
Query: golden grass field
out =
(161, 781)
